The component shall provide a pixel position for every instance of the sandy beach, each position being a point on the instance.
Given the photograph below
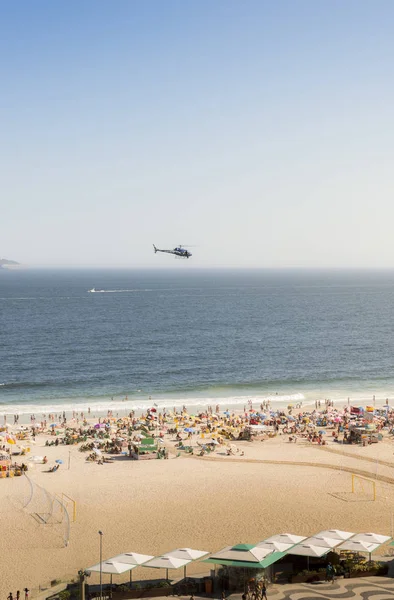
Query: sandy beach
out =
(155, 506)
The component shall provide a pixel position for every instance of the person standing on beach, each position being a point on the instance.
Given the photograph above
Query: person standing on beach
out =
(18, 595)
(263, 591)
(26, 593)
(10, 596)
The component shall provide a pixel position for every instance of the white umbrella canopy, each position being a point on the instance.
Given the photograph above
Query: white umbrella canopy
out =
(358, 546)
(286, 538)
(274, 546)
(325, 542)
(111, 567)
(166, 562)
(335, 534)
(309, 550)
(371, 538)
(132, 558)
(187, 553)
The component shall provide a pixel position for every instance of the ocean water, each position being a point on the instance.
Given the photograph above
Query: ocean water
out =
(193, 337)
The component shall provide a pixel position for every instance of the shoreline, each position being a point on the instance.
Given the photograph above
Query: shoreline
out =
(123, 406)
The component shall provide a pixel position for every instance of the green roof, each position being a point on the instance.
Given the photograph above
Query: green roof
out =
(243, 547)
(269, 560)
(272, 558)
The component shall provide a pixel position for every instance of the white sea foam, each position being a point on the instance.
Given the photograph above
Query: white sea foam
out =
(102, 405)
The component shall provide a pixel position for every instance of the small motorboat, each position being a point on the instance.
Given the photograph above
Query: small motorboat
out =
(91, 291)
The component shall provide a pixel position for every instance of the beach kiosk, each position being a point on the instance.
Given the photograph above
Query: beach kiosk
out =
(238, 567)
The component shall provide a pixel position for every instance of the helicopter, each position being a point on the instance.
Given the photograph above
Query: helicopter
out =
(178, 251)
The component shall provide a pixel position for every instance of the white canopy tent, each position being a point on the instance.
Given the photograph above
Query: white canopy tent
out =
(111, 567)
(281, 542)
(309, 550)
(186, 554)
(286, 538)
(371, 538)
(166, 562)
(131, 558)
(358, 546)
(320, 541)
(335, 534)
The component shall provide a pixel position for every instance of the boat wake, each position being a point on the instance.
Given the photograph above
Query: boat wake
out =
(94, 291)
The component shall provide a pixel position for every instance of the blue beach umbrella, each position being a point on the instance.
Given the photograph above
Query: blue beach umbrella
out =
(322, 432)
(60, 462)
(189, 429)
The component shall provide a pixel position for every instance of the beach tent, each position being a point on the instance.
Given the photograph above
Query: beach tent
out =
(166, 562)
(335, 534)
(111, 567)
(186, 554)
(324, 542)
(309, 550)
(358, 546)
(371, 538)
(131, 558)
(281, 542)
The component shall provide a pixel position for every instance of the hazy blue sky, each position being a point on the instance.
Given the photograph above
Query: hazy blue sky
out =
(260, 131)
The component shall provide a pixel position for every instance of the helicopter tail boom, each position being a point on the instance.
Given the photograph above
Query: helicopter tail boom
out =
(155, 249)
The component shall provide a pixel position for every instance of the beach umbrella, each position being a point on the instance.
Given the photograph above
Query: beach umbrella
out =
(359, 546)
(309, 550)
(274, 546)
(111, 567)
(59, 461)
(186, 554)
(326, 542)
(335, 534)
(166, 562)
(322, 432)
(131, 558)
(371, 538)
(286, 538)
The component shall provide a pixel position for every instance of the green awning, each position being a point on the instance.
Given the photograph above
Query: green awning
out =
(272, 558)
(234, 563)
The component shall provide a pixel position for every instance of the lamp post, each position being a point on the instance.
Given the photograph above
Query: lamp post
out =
(101, 565)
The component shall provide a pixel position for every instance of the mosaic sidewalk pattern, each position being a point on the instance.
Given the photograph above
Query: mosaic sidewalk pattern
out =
(365, 588)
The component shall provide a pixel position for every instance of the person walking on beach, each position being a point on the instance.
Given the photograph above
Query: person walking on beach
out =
(26, 593)
(18, 595)
(263, 591)
(10, 596)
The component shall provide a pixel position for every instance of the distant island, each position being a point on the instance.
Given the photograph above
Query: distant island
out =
(7, 263)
